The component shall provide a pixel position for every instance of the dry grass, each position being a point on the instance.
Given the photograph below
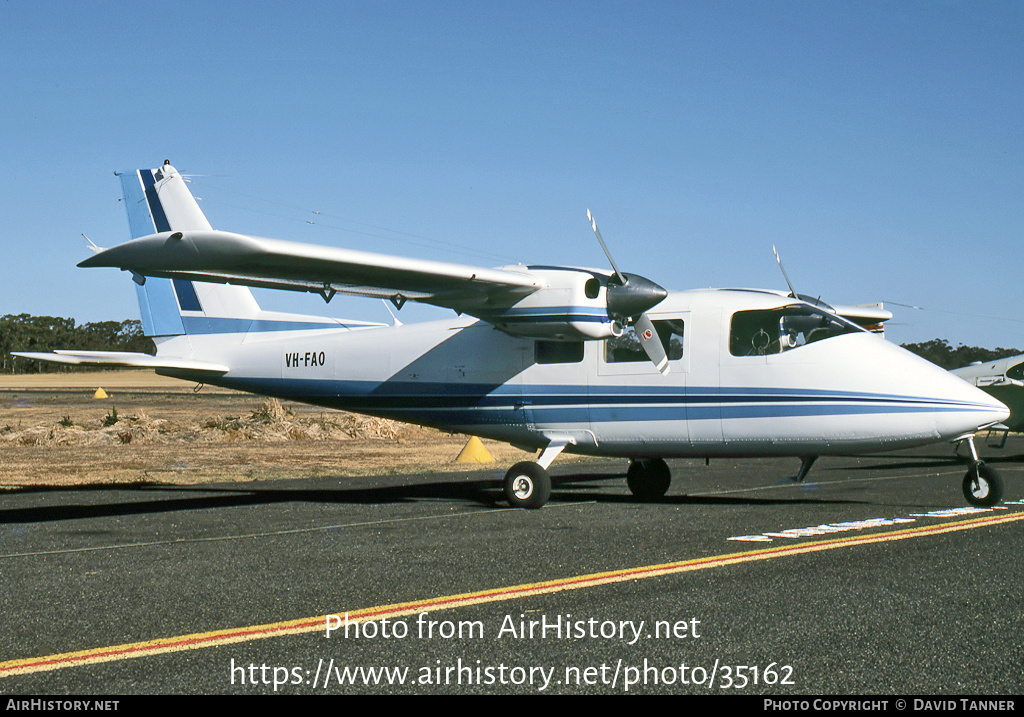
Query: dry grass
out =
(268, 422)
(156, 430)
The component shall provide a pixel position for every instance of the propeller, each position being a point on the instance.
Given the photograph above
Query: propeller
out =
(792, 291)
(870, 317)
(816, 301)
(629, 297)
(651, 342)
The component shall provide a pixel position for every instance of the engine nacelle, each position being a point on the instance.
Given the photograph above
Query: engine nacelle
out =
(572, 306)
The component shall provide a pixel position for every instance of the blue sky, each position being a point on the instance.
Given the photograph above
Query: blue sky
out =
(879, 145)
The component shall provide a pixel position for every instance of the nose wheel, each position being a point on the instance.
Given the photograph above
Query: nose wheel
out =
(983, 487)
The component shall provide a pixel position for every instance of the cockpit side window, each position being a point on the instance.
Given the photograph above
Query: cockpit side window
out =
(772, 331)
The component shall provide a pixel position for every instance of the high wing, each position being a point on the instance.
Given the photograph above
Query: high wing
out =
(543, 302)
(556, 303)
(872, 317)
(226, 257)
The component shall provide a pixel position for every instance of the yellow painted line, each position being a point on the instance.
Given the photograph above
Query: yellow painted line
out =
(314, 624)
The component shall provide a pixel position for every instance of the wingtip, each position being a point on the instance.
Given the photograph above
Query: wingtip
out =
(90, 262)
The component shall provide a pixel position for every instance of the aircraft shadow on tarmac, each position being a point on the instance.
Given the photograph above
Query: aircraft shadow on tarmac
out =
(486, 493)
(948, 460)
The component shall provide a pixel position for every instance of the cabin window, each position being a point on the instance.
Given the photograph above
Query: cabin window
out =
(627, 348)
(772, 331)
(547, 352)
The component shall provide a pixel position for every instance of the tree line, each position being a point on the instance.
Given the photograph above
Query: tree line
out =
(940, 353)
(23, 332)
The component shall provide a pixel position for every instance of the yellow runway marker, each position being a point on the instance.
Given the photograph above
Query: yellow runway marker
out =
(450, 602)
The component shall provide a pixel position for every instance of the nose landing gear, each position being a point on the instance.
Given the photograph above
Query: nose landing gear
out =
(982, 486)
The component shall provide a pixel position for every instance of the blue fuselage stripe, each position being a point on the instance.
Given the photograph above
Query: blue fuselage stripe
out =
(489, 404)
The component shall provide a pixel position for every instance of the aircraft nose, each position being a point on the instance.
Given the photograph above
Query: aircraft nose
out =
(997, 412)
(971, 409)
(941, 404)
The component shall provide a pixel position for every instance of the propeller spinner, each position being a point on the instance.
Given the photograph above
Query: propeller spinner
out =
(629, 298)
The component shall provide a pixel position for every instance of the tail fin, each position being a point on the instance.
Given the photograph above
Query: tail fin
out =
(184, 318)
(158, 200)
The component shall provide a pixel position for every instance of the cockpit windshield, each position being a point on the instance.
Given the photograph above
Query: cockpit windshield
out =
(773, 331)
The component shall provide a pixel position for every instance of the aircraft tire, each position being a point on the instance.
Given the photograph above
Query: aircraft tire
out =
(982, 486)
(527, 485)
(648, 479)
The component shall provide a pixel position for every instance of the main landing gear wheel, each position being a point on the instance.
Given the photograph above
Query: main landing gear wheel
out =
(982, 486)
(527, 485)
(648, 479)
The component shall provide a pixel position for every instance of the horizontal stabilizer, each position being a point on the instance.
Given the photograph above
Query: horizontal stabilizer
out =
(123, 358)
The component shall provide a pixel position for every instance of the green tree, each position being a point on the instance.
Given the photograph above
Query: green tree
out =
(24, 332)
(940, 353)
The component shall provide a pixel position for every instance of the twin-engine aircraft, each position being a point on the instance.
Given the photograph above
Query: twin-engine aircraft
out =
(603, 363)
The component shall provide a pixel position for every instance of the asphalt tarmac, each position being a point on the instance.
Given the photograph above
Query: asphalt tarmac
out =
(871, 578)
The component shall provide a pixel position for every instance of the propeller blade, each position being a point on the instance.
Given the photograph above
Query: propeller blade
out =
(792, 291)
(651, 343)
(593, 224)
(630, 295)
(92, 247)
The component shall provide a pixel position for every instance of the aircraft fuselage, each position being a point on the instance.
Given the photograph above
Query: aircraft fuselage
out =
(732, 389)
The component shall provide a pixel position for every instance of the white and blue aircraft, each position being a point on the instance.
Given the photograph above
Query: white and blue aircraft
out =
(595, 362)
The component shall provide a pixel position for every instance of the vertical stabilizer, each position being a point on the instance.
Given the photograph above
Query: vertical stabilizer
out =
(158, 200)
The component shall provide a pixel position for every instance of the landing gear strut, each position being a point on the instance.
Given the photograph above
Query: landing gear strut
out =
(982, 486)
